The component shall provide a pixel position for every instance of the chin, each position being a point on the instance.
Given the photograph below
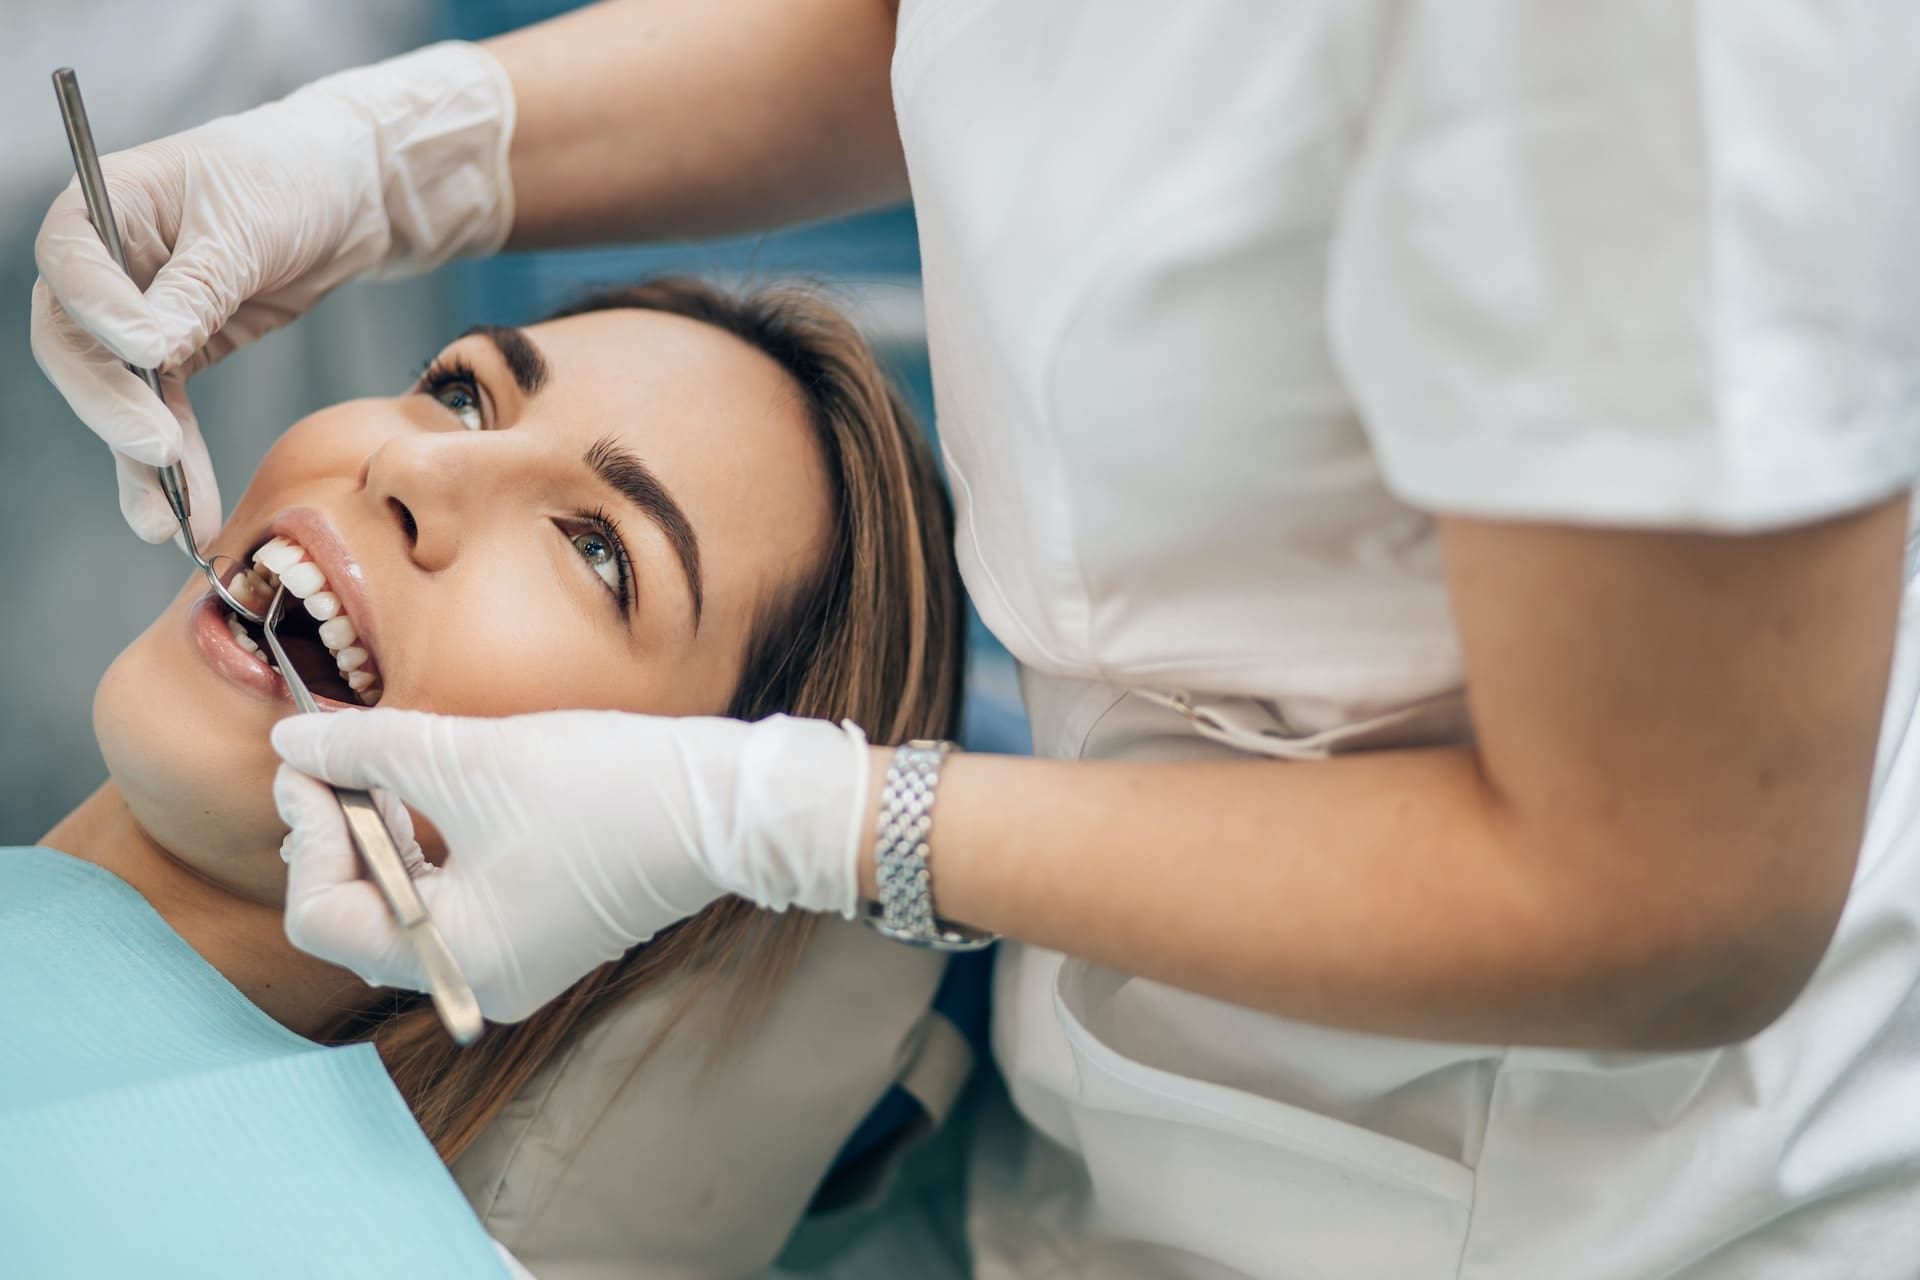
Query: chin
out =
(189, 752)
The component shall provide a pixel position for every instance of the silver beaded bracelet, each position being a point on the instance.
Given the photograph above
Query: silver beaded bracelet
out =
(905, 910)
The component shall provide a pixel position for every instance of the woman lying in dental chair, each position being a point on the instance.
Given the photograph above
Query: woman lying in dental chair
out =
(662, 500)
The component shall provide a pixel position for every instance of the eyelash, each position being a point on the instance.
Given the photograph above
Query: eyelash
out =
(601, 521)
(448, 372)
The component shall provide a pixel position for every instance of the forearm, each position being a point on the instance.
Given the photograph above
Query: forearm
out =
(1647, 844)
(640, 119)
(1390, 892)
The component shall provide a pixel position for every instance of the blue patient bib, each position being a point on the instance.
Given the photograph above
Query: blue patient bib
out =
(154, 1123)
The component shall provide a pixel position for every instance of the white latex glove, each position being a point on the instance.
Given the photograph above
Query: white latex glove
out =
(571, 835)
(321, 832)
(237, 227)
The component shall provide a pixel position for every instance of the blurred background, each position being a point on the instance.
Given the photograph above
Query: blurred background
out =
(78, 585)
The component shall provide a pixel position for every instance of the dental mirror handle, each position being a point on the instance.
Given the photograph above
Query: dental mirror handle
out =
(93, 189)
(453, 997)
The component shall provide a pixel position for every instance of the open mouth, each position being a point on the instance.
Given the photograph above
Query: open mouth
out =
(321, 641)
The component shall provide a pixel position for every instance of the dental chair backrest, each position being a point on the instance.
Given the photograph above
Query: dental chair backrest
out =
(700, 1162)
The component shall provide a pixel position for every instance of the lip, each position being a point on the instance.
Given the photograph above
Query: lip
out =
(207, 619)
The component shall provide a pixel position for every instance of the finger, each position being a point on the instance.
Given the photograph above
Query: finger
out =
(193, 297)
(376, 748)
(203, 487)
(251, 320)
(91, 286)
(145, 508)
(331, 912)
(115, 404)
(399, 822)
(310, 804)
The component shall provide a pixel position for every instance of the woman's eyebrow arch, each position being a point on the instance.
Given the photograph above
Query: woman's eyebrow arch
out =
(524, 360)
(620, 470)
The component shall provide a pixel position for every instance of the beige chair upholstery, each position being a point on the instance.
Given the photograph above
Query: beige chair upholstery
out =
(699, 1162)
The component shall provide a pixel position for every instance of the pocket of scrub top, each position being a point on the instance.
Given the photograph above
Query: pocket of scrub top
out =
(1260, 728)
(1265, 1188)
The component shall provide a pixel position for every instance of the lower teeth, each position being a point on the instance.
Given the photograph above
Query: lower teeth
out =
(246, 641)
(255, 587)
(361, 682)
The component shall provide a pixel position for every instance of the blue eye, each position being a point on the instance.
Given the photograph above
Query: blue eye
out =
(454, 386)
(598, 552)
(464, 403)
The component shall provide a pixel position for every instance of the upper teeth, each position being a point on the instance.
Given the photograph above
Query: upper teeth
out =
(284, 560)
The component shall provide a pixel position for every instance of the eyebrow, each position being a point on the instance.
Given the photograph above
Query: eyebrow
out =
(629, 477)
(524, 361)
(617, 467)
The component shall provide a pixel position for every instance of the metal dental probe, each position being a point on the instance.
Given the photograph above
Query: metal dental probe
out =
(93, 187)
(453, 999)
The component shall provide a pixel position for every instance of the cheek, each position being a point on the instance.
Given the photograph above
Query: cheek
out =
(327, 447)
(190, 754)
(510, 665)
(187, 750)
(543, 652)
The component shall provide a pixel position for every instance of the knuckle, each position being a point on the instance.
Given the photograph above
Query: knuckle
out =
(58, 224)
(50, 332)
(46, 345)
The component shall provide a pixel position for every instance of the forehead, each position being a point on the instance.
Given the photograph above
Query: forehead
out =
(722, 426)
(665, 367)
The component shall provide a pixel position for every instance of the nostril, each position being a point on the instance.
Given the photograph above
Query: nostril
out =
(406, 520)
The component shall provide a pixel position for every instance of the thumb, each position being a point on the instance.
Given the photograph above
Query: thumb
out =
(203, 488)
(142, 503)
(331, 912)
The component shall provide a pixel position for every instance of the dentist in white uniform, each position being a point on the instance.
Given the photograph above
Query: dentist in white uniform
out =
(1443, 469)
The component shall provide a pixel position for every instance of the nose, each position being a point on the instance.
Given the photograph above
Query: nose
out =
(434, 487)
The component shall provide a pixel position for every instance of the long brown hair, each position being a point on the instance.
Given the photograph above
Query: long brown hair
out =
(875, 635)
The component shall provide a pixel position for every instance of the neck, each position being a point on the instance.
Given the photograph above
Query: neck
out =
(244, 940)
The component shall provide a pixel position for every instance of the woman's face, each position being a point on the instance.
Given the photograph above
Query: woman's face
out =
(589, 513)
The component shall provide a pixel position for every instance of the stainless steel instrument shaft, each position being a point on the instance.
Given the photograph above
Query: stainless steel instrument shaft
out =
(453, 998)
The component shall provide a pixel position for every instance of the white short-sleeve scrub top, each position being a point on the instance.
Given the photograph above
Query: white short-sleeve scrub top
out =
(1224, 301)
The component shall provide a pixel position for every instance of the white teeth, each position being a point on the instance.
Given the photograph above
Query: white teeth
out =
(241, 636)
(303, 579)
(278, 556)
(287, 561)
(283, 562)
(247, 588)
